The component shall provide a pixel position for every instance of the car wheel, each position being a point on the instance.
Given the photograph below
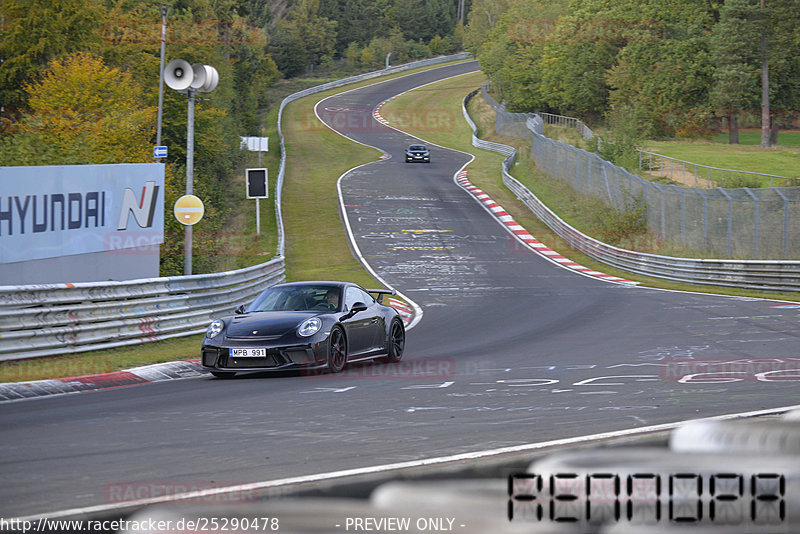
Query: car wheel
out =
(337, 351)
(222, 374)
(397, 342)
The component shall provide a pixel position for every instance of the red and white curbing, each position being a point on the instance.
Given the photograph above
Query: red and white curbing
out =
(77, 384)
(377, 116)
(376, 113)
(533, 243)
(404, 310)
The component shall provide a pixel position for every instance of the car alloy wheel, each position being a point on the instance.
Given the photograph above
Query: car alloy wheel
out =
(397, 342)
(337, 351)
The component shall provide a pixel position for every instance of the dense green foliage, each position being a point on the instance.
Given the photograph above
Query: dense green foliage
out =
(79, 82)
(679, 67)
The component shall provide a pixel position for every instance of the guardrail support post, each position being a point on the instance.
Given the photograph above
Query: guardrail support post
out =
(187, 239)
(730, 220)
(755, 221)
(785, 222)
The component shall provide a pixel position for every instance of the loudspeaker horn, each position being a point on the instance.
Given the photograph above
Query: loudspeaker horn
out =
(212, 79)
(178, 74)
(199, 76)
(206, 78)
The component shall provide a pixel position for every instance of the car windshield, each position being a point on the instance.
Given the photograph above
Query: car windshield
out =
(297, 298)
(417, 147)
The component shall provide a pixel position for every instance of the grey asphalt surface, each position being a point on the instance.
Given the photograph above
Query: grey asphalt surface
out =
(511, 350)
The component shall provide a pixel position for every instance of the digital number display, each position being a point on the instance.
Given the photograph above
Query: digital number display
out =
(648, 498)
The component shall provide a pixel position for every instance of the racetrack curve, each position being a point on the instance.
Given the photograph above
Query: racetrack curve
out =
(511, 349)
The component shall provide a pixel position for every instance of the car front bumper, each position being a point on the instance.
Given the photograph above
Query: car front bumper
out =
(312, 355)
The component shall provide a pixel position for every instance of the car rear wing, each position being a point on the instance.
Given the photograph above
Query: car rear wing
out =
(380, 292)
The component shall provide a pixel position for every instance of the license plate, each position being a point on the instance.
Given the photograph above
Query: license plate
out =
(248, 353)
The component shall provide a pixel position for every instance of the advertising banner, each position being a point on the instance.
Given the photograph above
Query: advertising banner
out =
(63, 210)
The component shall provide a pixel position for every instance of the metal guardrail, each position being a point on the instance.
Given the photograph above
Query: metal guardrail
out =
(51, 319)
(709, 178)
(567, 122)
(44, 320)
(771, 275)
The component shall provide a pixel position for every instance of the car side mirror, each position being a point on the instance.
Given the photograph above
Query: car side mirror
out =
(358, 307)
(240, 310)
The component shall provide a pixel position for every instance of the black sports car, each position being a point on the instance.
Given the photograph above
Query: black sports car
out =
(314, 325)
(418, 153)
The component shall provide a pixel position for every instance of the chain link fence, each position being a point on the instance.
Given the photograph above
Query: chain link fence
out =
(738, 223)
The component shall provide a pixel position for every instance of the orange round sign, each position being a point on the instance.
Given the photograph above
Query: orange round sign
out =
(189, 210)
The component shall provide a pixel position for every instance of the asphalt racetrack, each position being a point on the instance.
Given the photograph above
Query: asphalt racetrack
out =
(511, 349)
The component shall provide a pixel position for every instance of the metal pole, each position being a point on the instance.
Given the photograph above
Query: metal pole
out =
(730, 222)
(683, 212)
(164, 11)
(785, 223)
(258, 205)
(187, 243)
(755, 221)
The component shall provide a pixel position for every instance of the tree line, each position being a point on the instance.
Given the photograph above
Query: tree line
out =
(79, 80)
(663, 67)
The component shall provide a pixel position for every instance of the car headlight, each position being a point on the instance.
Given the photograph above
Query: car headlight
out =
(214, 329)
(309, 327)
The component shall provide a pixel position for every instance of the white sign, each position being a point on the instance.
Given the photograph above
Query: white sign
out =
(255, 144)
(61, 210)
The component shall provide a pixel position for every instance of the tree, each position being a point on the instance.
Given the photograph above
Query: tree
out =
(573, 64)
(304, 39)
(663, 73)
(33, 32)
(780, 47)
(734, 80)
(483, 17)
(512, 56)
(422, 20)
(82, 112)
(357, 21)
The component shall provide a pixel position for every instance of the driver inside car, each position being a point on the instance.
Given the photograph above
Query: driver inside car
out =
(331, 300)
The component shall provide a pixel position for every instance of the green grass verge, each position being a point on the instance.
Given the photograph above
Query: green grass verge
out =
(780, 161)
(790, 139)
(444, 99)
(316, 243)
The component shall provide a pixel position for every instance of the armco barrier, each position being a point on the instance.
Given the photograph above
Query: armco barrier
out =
(770, 275)
(45, 320)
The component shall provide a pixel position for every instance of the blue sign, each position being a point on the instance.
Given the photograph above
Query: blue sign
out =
(159, 152)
